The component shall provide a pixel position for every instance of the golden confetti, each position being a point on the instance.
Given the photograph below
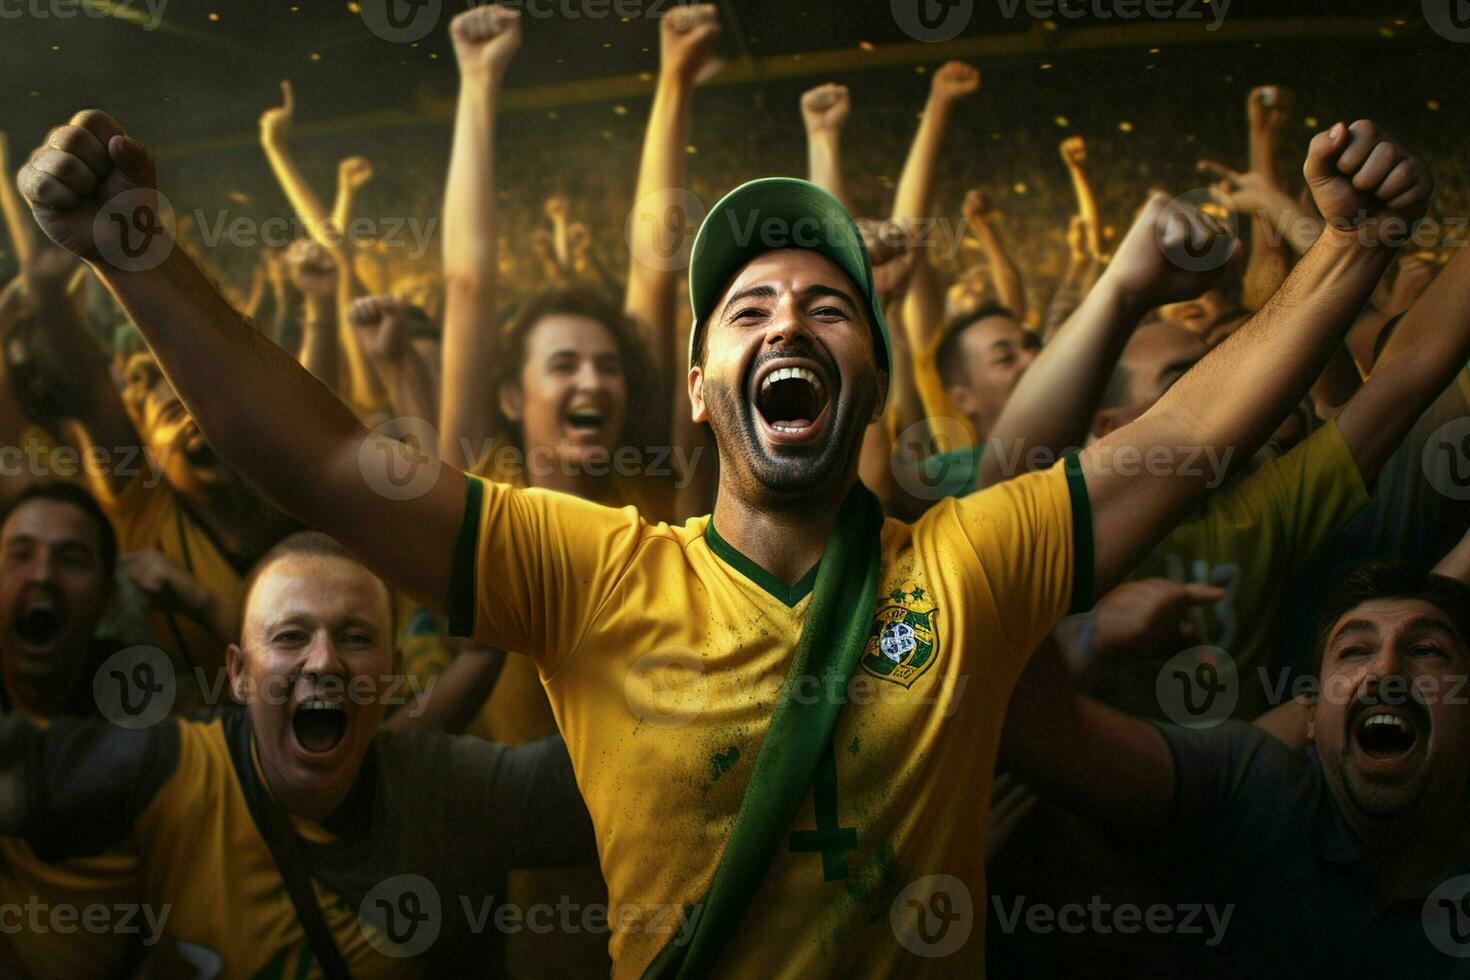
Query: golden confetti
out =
(1062, 121)
(867, 45)
(1432, 105)
(1125, 126)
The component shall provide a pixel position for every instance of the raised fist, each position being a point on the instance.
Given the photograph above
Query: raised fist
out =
(977, 205)
(353, 172)
(165, 584)
(890, 247)
(1173, 252)
(312, 269)
(825, 108)
(275, 123)
(92, 190)
(556, 207)
(379, 323)
(1269, 106)
(1074, 151)
(486, 39)
(687, 42)
(955, 81)
(1362, 179)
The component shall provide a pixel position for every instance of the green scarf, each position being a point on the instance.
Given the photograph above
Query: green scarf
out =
(832, 641)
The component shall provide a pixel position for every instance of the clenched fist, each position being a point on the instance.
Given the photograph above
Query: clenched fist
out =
(379, 323)
(687, 42)
(825, 108)
(485, 40)
(353, 172)
(1363, 180)
(1173, 252)
(92, 190)
(954, 81)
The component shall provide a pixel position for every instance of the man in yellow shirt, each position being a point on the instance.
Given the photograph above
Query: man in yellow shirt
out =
(760, 823)
(293, 837)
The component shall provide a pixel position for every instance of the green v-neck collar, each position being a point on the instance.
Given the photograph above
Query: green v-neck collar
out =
(790, 595)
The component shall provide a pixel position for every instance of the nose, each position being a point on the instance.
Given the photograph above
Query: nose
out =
(588, 378)
(786, 323)
(321, 656)
(42, 568)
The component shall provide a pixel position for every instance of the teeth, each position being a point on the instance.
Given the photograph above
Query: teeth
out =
(781, 374)
(1393, 720)
(322, 704)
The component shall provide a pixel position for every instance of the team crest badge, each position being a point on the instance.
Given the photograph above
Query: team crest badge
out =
(902, 644)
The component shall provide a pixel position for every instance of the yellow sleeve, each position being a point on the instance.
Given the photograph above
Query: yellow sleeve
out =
(532, 567)
(137, 513)
(1023, 549)
(1309, 493)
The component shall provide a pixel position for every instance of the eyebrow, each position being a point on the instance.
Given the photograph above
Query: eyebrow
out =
(57, 543)
(1423, 625)
(754, 292)
(1353, 628)
(300, 617)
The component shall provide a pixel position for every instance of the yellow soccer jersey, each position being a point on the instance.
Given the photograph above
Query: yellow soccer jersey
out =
(441, 816)
(662, 650)
(1251, 537)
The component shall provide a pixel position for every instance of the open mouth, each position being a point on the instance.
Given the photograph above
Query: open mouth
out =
(319, 724)
(1386, 735)
(792, 399)
(39, 622)
(585, 419)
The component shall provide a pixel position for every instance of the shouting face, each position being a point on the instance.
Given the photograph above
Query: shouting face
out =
(789, 379)
(315, 657)
(1391, 723)
(571, 394)
(169, 433)
(53, 590)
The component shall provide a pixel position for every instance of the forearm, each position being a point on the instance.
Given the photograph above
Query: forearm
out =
(1108, 765)
(470, 352)
(824, 162)
(1053, 404)
(319, 342)
(295, 441)
(452, 698)
(342, 209)
(303, 199)
(409, 385)
(1087, 209)
(651, 290)
(1004, 275)
(1213, 412)
(1430, 346)
(916, 184)
(362, 384)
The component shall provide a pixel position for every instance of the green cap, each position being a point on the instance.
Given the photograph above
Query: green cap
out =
(772, 213)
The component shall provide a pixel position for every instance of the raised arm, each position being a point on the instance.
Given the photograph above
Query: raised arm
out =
(686, 46)
(1074, 154)
(485, 40)
(1268, 108)
(824, 111)
(1004, 275)
(275, 133)
(22, 230)
(914, 198)
(298, 444)
(1053, 404)
(381, 326)
(313, 272)
(1427, 351)
(1364, 185)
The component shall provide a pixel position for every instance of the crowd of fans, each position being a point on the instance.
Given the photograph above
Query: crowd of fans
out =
(1229, 686)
